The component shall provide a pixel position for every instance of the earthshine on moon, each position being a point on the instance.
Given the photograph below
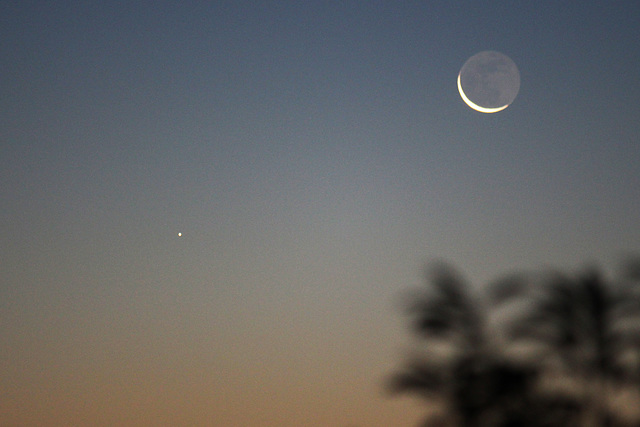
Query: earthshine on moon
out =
(489, 82)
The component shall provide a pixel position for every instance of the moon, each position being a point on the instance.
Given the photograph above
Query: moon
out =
(489, 82)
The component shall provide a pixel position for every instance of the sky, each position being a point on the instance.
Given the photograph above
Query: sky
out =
(314, 157)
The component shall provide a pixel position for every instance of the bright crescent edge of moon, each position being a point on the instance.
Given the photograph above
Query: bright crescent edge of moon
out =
(475, 106)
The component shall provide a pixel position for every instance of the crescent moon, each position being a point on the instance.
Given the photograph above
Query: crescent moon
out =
(476, 106)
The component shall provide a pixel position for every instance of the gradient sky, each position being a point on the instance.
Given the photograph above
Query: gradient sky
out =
(314, 155)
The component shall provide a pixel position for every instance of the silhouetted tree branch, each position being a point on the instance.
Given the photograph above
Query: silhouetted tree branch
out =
(587, 329)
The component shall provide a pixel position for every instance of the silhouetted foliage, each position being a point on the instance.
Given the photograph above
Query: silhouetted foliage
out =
(448, 310)
(581, 320)
(585, 329)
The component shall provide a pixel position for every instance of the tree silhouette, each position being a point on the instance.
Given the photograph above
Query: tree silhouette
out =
(584, 329)
(477, 384)
(587, 326)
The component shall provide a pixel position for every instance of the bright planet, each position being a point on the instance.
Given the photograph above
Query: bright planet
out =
(489, 82)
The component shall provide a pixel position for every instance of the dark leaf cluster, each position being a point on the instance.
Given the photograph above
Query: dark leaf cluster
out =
(581, 333)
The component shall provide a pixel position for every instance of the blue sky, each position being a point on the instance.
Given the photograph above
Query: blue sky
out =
(314, 156)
